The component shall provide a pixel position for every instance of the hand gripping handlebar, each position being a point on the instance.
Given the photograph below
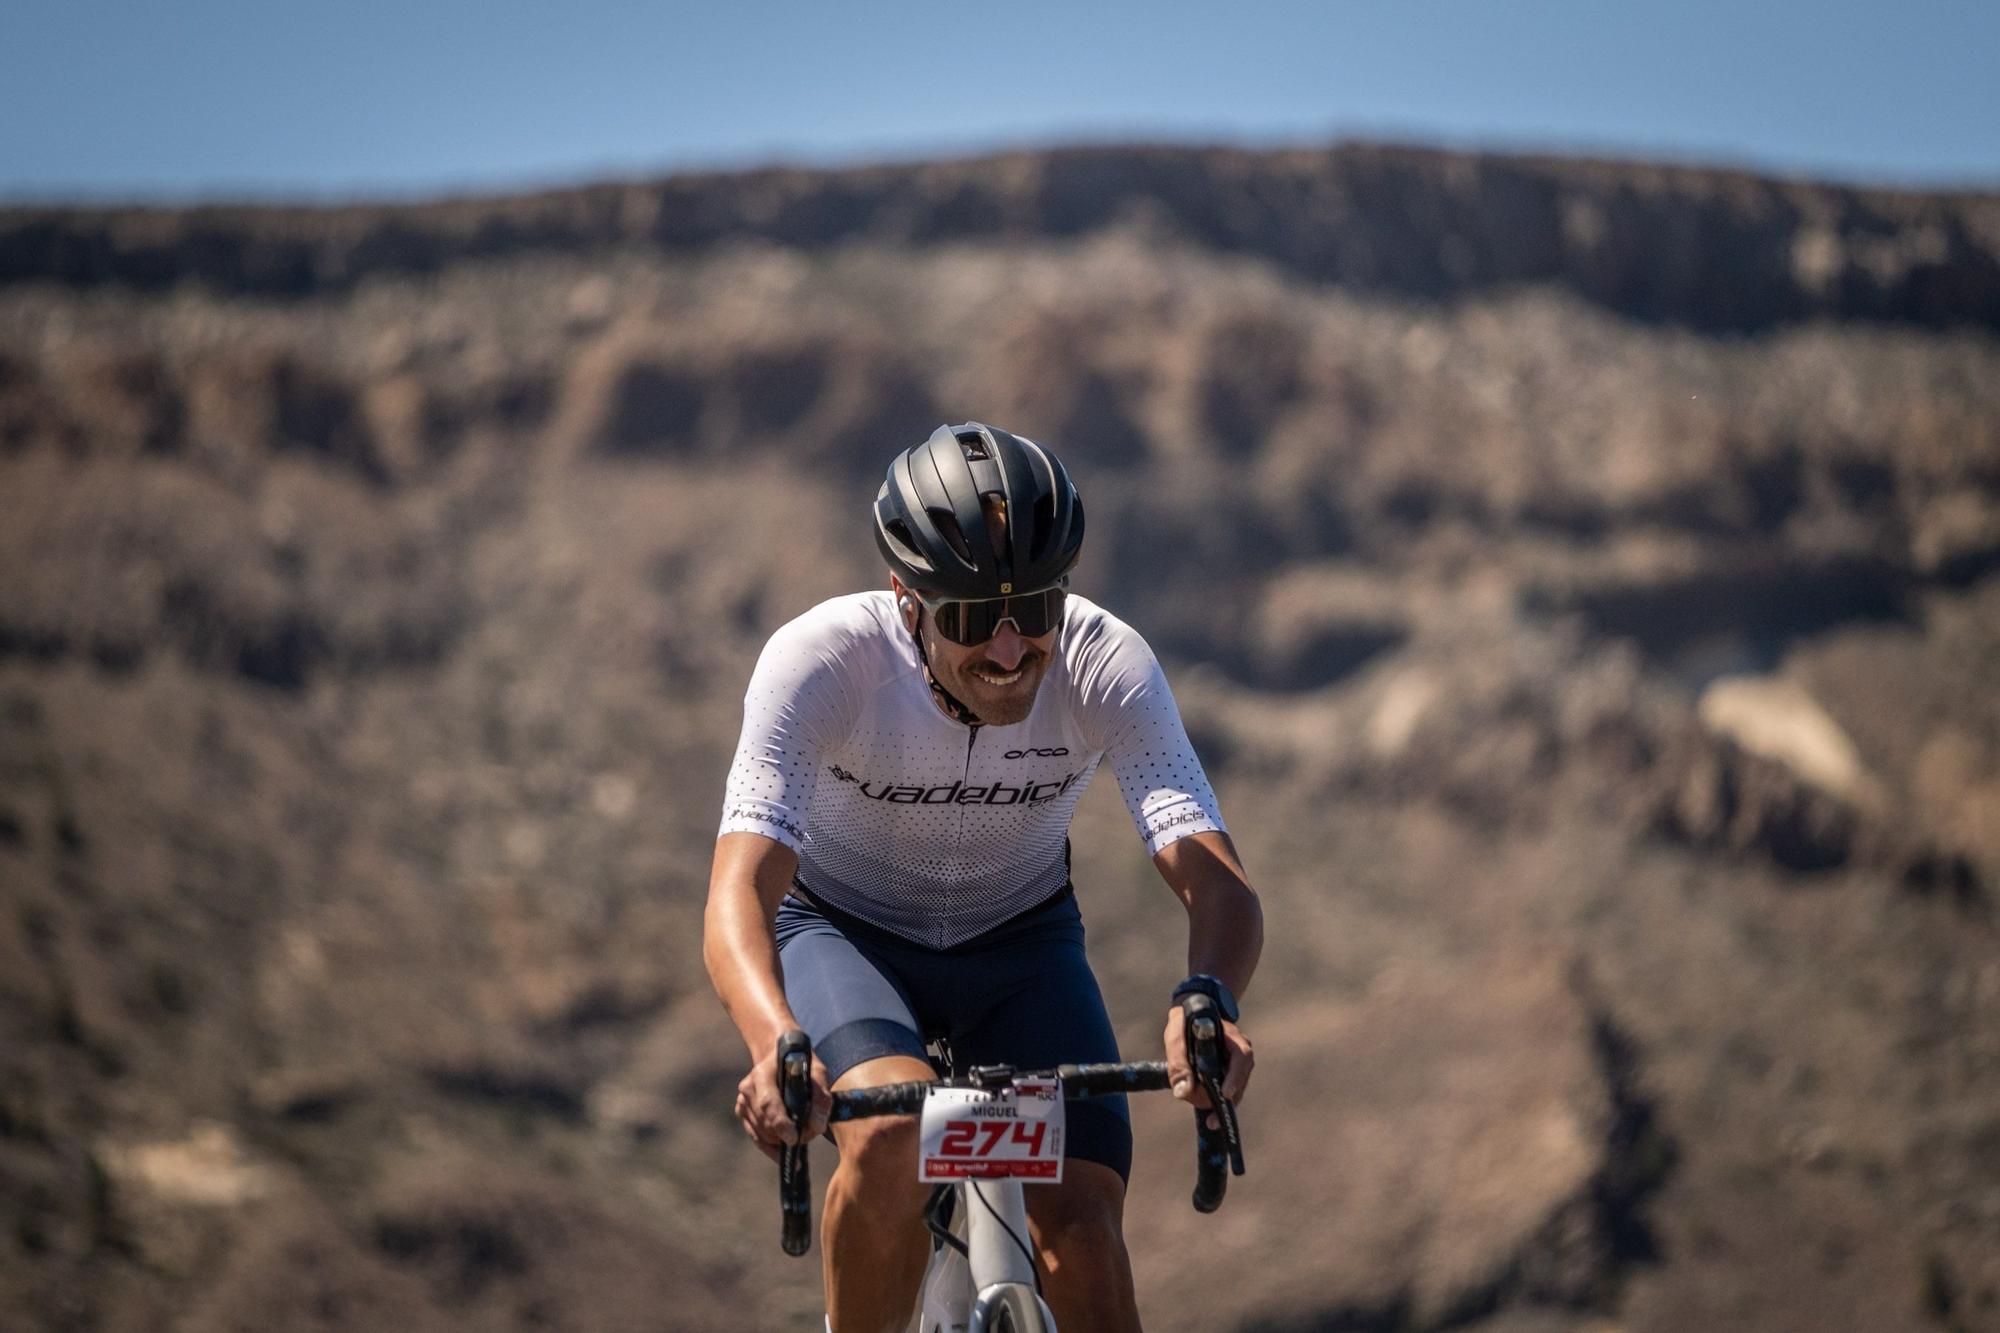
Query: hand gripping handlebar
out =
(794, 1175)
(1224, 1143)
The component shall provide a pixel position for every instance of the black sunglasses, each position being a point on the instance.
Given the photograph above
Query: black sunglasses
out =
(970, 623)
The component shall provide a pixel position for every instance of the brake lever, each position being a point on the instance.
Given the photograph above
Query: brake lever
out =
(794, 1172)
(1222, 1145)
(1210, 1068)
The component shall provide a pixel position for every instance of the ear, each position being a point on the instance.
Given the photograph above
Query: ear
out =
(906, 603)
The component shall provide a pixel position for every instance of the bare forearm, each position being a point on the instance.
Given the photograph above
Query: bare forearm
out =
(738, 944)
(1226, 935)
(1225, 919)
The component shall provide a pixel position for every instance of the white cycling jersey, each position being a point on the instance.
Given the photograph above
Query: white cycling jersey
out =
(927, 827)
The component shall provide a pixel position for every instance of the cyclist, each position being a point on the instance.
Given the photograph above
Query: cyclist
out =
(893, 861)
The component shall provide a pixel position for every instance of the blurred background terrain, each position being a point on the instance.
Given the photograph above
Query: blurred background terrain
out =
(1581, 578)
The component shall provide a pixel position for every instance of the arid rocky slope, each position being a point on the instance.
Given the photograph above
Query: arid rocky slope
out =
(1583, 581)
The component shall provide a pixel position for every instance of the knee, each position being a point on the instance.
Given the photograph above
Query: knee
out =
(878, 1159)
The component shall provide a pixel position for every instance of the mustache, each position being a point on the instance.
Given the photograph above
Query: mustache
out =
(1028, 659)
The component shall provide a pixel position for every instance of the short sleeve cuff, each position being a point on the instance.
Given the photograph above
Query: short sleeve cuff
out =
(773, 821)
(1170, 823)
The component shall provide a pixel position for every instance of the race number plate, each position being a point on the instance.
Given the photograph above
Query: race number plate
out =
(1015, 1133)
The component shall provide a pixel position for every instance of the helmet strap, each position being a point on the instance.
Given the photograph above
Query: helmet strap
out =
(949, 702)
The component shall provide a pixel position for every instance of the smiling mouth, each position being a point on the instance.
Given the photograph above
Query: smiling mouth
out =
(1000, 678)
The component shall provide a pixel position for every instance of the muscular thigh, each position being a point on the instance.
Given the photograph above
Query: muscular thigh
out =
(850, 1002)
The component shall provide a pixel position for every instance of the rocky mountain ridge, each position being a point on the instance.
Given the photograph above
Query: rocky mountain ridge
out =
(1713, 249)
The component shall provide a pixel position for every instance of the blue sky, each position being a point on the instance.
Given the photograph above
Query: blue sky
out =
(204, 99)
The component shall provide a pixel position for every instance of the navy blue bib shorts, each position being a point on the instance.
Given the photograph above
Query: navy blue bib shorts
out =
(1020, 994)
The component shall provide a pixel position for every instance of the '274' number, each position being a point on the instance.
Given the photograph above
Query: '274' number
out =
(966, 1138)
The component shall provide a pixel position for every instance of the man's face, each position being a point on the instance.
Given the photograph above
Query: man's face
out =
(997, 679)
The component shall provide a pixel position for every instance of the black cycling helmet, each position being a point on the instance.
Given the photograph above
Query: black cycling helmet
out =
(932, 529)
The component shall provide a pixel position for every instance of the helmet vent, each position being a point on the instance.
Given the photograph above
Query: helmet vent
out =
(975, 447)
(946, 523)
(1041, 527)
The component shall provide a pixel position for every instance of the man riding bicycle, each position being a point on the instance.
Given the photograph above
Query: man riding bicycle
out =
(893, 862)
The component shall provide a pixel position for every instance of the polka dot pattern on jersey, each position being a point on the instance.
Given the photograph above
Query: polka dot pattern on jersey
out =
(929, 828)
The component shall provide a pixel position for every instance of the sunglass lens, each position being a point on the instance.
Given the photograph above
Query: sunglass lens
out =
(1037, 613)
(977, 622)
(971, 623)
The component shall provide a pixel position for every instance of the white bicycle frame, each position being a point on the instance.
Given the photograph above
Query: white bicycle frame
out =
(992, 1285)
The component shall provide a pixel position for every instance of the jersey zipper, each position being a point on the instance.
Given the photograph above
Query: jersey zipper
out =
(971, 739)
